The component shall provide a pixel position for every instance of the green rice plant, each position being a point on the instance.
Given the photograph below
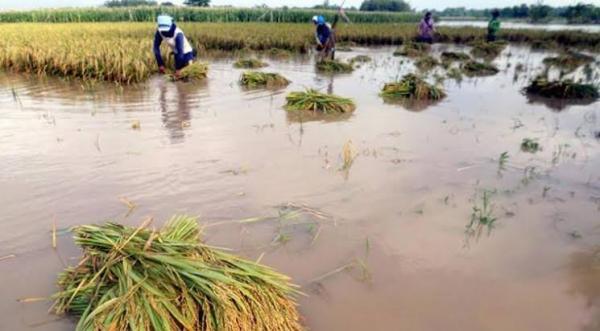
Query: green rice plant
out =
(569, 61)
(530, 145)
(249, 63)
(488, 50)
(312, 100)
(426, 63)
(474, 69)
(411, 87)
(482, 217)
(193, 72)
(254, 79)
(334, 66)
(561, 89)
(413, 49)
(454, 56)
(142, 279)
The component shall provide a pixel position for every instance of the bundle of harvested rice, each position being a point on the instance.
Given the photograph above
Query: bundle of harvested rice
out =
(249, 63)
(474, 68)
(455, 56)
(139, 279)
(562, 89)
(455, 73)
(313, 100)
(412, 49)
(488, 50)
(569, 61)
(194, 71)
(333, 66)
(253, 79)
(411, 87)
(426, 63)
(361, 59)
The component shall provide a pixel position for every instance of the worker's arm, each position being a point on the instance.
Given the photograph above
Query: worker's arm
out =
(156, 49)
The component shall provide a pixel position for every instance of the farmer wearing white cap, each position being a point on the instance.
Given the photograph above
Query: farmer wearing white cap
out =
(325, 37)
(181, 47)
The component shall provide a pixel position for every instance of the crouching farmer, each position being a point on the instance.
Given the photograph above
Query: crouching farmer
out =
(182, 49)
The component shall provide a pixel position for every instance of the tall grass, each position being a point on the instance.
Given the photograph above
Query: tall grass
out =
(187, 14)
(121, 52)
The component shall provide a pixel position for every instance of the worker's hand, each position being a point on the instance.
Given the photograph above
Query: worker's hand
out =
(162, 70)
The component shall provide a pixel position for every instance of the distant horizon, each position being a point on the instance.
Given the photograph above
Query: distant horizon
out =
(424, 4)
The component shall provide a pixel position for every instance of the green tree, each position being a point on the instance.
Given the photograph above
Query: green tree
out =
(540, 12)
(385, 5)
(197, 3)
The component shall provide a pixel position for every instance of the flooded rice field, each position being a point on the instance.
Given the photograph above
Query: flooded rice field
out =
(440, 222)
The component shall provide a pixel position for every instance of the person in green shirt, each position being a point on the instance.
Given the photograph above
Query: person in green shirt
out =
(493, 26)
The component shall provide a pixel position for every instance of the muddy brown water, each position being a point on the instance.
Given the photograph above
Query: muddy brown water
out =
(394, 222)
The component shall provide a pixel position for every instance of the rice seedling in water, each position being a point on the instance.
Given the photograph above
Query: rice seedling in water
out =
(334, 66)
(411, 87)
(349, 153)
(254, 79)
(474, 68)
(426, 63)
(569, 61)
(141, 279)
(530, 145)
(193, 72)
(249, 63)
(454, 56)
(488, 50)
(502, 161)
(312, 100)
(482, 217)
(561, 89)
(412, 49)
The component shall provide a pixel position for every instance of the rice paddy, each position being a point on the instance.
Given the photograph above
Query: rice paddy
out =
(569, 61)
(488, 50)
(333, 180)
(334, 66)
(196, 71)
(413, 49)
(426, 63)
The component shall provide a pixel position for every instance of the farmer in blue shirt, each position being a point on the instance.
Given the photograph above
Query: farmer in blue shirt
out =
(325, 36)
(182, 49)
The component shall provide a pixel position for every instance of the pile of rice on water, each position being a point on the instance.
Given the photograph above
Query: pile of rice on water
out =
(141, 279)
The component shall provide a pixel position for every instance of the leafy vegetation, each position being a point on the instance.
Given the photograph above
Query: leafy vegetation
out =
(385, 5)
(569, 61)
(249, 63)
(333, 66)
(530, 145)
(474, 69)
(454, 56)
(194, 71)
(482, 217)
(142, 279)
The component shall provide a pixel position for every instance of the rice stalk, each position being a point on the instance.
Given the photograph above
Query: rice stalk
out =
(333, 66)
(474, 69)
(315, 101)
(140, 279)
(194, 72)
(249, 63)
(412, 87)
(561, 89)
(254, 79)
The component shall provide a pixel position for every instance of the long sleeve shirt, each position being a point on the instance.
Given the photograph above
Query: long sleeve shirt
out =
(181, 58)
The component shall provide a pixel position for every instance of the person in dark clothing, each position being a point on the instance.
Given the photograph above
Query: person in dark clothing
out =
(493, 26)
(325, 37)
(426, 29)
(182, 49)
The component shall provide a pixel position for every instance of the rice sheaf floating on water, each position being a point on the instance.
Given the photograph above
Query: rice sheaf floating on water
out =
(413, 49)
(142, 279)
(193, 72)
(454, 56)
(569, 61)
(488, 50)
(334, 66)
(412, 87)
(562, 89)
(249, 63)
(426, 63)
(474, 68)
(253, 79)
(312, 100)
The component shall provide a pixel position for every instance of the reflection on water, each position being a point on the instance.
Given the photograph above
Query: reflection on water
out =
(514, 25)
(585, 282)
(403, 192)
